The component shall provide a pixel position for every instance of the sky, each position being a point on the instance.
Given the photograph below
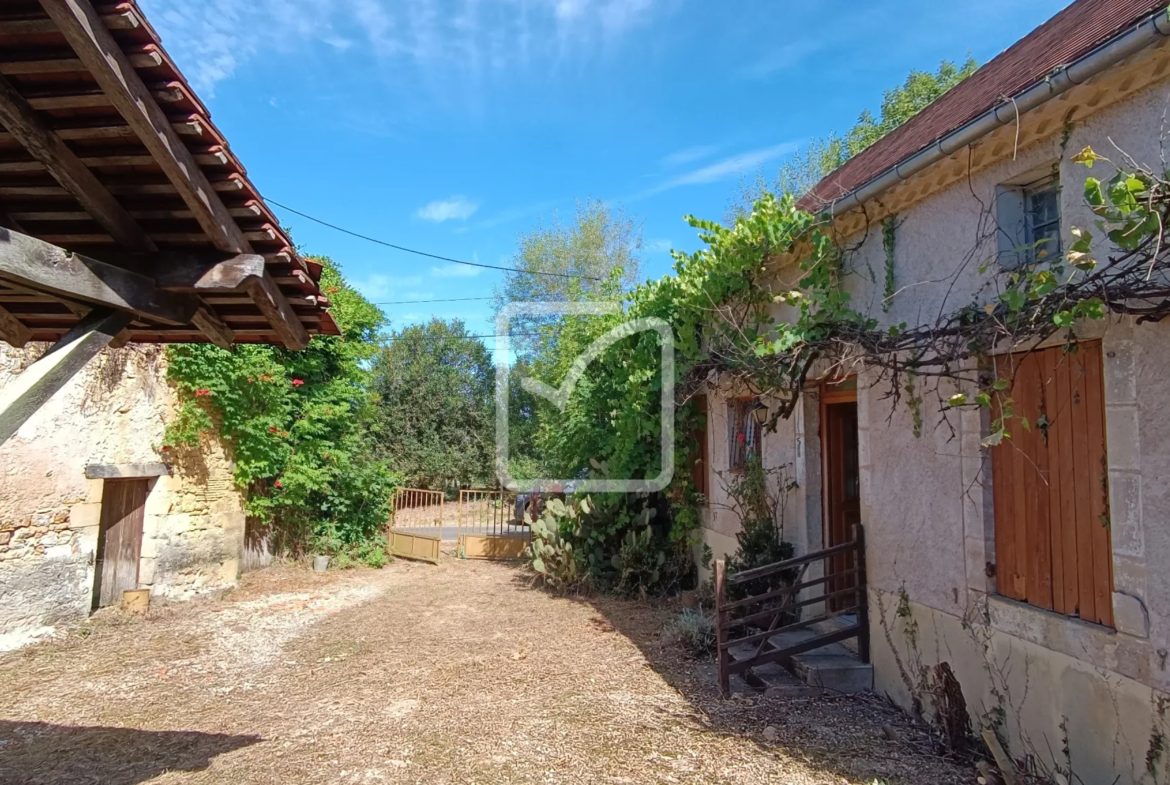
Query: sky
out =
(454, 126)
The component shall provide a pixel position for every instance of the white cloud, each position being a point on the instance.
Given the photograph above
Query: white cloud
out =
(722, 170)
(781, 58)
(658, 246)
(688, 155)
(211, 39)
(457, 208)
(386, 287)
(455, 271)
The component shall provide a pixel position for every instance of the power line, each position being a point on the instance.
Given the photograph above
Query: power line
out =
(424, 253)
(441, 300)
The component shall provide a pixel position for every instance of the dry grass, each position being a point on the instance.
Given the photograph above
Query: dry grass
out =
(451, 674)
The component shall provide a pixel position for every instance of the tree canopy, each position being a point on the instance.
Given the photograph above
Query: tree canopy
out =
(436, 388)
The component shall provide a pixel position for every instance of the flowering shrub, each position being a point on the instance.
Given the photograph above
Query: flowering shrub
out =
(296, 425)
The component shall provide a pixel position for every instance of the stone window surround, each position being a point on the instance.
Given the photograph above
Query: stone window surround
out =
(1127, 649)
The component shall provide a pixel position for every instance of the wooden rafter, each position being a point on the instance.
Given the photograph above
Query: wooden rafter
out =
(46, 147)
(12, 330)
(39, 266)
(93, 44)
(123, 87)
(191, 273)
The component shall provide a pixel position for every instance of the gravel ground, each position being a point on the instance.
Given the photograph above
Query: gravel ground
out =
(459, 673)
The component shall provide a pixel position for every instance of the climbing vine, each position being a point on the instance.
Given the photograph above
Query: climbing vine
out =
(295, 425)
(889, 227)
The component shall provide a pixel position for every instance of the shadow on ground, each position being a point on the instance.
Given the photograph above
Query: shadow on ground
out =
(39, 753)
(847, 737)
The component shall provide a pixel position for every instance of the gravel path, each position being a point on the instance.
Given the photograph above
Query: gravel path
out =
(417, 674)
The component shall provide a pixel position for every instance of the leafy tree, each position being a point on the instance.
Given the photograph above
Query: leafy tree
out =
(297, 424)
(436, 386)
(820, 157)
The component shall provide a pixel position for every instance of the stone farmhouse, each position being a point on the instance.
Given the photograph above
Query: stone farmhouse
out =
(1037, 570)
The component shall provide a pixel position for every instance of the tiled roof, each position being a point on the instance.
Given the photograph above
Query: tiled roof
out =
(1061, 40)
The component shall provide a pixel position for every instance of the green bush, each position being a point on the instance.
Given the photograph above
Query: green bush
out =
(694, 631)
(759, 498)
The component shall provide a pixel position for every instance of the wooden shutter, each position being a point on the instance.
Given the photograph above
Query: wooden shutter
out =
(699, 458)
(1050, 485)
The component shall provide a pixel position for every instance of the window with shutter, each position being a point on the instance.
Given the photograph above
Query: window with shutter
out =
(1050, 485)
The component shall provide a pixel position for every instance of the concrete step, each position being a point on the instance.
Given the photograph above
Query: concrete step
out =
(834, 667)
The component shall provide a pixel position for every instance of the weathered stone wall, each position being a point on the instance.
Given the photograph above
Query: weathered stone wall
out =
(927, 501)
(113, 412)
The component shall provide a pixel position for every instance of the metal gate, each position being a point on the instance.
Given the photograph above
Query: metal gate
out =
(490, 526)
(416, 524)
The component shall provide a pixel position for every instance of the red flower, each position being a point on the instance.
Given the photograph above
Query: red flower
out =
(740, 438)
(272, 429)
(279, 484)
(202, 392)
(298, 382)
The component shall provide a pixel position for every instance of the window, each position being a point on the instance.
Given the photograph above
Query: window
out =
(1050, 485)
(1042, 221)
(1028, 218)
(743, 432)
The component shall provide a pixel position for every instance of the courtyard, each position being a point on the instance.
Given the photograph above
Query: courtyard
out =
(460, 673)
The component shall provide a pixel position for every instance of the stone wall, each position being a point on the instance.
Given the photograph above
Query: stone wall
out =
(113, 414)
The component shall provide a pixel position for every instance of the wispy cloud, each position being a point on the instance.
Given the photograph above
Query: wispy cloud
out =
(211, 39)
(457, 208)
(781, 58)
(456, 271)
(725, 169)
(688, 155)
(386, 287)
(657, 246)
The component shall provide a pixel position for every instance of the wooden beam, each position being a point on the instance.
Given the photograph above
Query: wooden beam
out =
(213, 327)
(28, 392)
(190, 273)
(40, 266)
(118, 471)
(273, 304)
(46, 147)
(83, 29)
(208, 159)
(12, 330)
(119, 21)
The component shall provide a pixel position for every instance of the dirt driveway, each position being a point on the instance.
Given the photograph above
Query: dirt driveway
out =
(451, 674)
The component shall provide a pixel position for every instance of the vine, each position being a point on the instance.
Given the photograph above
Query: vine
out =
(889, 228)
(295, 425)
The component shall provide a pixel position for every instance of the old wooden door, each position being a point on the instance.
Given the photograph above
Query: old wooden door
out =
(842, 483)
(119, 539)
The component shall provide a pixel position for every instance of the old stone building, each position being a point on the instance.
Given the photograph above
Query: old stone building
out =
(91, 503)
(1033, 569)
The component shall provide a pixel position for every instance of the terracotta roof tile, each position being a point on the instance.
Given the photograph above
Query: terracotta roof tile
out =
(1061, 40)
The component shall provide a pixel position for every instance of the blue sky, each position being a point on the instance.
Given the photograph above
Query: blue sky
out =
(456, 125)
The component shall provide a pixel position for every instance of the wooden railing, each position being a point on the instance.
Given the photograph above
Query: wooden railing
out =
(753, 621)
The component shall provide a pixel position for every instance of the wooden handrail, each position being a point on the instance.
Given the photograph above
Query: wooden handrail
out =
(772, 617)
(780, 566)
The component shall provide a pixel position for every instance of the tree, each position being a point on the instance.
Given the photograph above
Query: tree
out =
(436, 386)
(820, 157)
(595, 258)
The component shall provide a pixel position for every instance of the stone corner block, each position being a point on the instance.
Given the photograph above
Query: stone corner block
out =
(1130, 615)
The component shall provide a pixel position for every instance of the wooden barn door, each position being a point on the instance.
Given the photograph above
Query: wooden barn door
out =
(119, 539)
(841, 480)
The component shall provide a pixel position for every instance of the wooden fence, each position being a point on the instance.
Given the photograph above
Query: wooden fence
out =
(752, 622)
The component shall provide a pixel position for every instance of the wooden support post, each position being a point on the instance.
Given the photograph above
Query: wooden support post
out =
(213, 327)
(862, 596)
(721, 628)
(32, 388)
(12, 330)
